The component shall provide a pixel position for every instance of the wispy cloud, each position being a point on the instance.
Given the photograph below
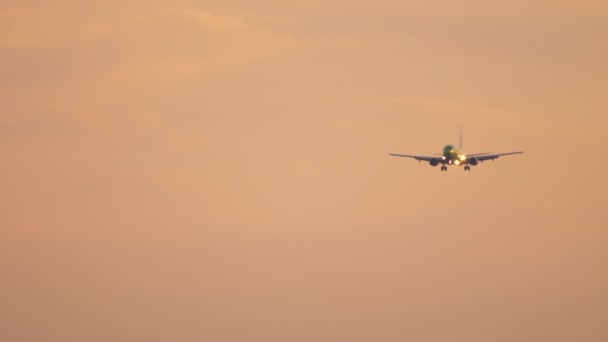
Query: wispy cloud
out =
(168, 40)
(62, 54)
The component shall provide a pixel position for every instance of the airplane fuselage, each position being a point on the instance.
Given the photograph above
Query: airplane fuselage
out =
(454, 156)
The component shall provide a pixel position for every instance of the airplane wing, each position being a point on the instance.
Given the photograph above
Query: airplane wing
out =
(468, 155)
(493, 156)
(418, 158)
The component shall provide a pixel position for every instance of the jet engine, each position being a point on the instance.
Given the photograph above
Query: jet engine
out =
(473, 161)
(434, 162)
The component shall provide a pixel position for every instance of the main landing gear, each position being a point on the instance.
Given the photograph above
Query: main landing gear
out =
(466, 168)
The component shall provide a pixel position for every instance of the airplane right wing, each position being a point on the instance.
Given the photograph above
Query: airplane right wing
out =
(418, 158)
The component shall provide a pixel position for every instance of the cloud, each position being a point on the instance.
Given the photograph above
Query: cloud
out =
(185, 42)
(165, 41)
(98, 57)
(212, 21)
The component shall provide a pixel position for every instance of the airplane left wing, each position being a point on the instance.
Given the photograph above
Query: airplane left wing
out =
(496, 155)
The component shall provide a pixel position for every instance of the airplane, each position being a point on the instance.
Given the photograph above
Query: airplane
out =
(455, 156)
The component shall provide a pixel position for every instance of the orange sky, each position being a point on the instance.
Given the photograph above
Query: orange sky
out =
(218, 171)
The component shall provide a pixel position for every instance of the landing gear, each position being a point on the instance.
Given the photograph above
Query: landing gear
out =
(467, 168)
(444, 168)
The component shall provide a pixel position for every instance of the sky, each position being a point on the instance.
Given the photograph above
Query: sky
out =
(219, 170)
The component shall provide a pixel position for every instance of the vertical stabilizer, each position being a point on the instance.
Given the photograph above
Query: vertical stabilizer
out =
(460, 141)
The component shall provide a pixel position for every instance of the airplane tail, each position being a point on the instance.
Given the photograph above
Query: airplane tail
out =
(460, 141)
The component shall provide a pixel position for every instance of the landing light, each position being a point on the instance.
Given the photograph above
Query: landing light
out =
(456, 162)
(463, 157)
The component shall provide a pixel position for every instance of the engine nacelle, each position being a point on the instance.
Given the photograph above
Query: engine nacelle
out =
(434, 162)
(473, 161)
